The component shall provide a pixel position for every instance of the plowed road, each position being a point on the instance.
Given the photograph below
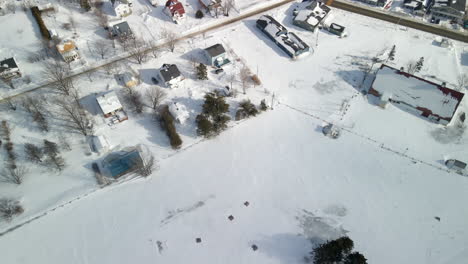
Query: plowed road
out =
(341, 5)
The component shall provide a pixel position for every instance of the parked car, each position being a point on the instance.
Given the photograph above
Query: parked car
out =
(154, 80)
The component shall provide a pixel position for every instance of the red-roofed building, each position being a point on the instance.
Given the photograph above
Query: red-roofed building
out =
(415, 95)
(175, 10)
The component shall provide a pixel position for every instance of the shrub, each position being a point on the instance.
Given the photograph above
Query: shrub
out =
(199, 14)
(256, 80)
(85, 5)
(263, 105)
(9, 208)
(246, 109)
(201, 72)
(42, 27)
(355, 258)
(167, 123)
(334, 251)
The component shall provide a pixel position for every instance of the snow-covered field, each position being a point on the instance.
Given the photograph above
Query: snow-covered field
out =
(300, 185)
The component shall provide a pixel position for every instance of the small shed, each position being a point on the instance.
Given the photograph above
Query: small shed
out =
(331, 131)
(455, 164)
(216, 55)
(336, 29)
(9, 69)
(179, 112)
(100, 144)
(128, 80)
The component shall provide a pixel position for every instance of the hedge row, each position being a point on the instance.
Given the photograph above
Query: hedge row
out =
(37, 15)
(167, 123)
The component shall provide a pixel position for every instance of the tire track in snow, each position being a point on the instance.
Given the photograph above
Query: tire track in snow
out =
(380, 144)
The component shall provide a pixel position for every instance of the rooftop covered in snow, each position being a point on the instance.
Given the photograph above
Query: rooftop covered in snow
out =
(109, 102)
(431, 100)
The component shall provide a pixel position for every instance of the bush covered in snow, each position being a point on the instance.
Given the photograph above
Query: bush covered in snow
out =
(9, 208)
(246, 110)
(166, 120)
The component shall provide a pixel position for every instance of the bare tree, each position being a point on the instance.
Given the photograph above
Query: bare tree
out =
(171, 38)
(244, 75)
(13, 174)
(411, 67)
(10, 103)
(462, 81)
(138, 50)
(155, 50)
(227, 6)
(74, 116)
(89, 73)
(134, 99)
(35, 106)
(58, 73)
(101, 18)
(52, 152)
(110, 68)
(156, 95)
(63, 142)
(102, 47)
(147, 165)
(33, 152)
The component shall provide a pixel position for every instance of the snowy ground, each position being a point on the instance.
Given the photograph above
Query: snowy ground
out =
(301, 185)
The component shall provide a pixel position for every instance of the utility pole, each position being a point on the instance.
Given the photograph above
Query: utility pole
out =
(272, 100)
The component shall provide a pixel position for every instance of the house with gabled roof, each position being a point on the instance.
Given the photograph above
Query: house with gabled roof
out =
(68, 50)
(9, 69)
(413, 94)
(121, 31)
(170, 75)
(123, 8)
(175, 10)
(216, 55)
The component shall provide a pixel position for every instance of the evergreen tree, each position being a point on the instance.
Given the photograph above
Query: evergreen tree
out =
(85, 5)
(263, 105)
(355, 258)
(199, 14)
(213, 118)
(333, 251)
(419, 64)
(201, 72)
(204, 126)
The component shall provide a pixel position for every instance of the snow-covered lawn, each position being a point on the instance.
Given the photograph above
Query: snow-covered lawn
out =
(301, 185)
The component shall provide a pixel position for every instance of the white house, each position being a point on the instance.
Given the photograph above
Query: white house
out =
(68, 50)
(111, 107)
(170, 75)
(100, 144)
(122, 8)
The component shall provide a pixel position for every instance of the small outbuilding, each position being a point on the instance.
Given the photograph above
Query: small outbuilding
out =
(100, 144)
(9, 69)
(216, 55)
(455, 164)
(179, 112)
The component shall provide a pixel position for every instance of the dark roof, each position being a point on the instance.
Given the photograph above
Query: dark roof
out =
(9, 63)
(215, 50)
(122, 29)
(169, 72)
(459, 5)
